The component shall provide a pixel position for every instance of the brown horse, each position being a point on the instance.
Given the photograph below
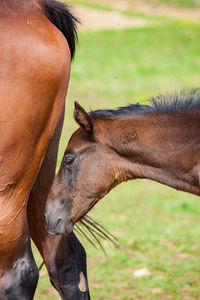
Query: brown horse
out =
(160, 142)
(34, 73)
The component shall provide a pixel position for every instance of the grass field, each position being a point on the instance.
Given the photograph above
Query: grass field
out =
(157, 227)
(181, 3)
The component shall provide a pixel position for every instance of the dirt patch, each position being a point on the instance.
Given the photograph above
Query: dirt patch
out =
(190, 14)
(97, 19)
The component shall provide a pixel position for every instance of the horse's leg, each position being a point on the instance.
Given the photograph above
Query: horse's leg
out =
(64, 257)
(18, 273)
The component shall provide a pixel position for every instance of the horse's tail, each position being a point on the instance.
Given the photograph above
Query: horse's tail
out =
(59, 14)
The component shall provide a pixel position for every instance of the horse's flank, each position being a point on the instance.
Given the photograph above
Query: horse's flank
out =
(37, 45)
(34, 73)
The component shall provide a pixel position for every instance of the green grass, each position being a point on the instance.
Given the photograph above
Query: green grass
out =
(158, 230)
(126, 12)
(180, 3)
(173, 3)
(157, 227)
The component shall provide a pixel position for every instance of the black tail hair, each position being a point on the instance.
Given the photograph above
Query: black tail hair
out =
(59, 14)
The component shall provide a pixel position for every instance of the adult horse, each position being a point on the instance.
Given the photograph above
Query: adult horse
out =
(34, 73)
(160, 142)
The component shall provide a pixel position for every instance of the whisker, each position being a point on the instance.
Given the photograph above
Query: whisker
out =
(40, 267)
(95, 237)
(104, 229)
(96, 232)
(79, 230)
(99, 232)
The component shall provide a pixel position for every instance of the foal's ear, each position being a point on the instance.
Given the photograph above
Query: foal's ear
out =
(82, 118)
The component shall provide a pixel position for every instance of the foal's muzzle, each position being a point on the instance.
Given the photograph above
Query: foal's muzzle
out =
(58, 226)
(58, 217)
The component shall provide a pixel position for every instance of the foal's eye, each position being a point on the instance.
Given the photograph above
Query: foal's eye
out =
(68, 160)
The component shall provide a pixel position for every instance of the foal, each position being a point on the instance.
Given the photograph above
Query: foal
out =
(160, 142)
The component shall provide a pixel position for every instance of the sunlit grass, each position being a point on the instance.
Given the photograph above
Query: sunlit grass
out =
(108, 8)
(181, 3)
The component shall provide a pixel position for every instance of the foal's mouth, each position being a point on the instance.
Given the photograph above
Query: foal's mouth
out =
(60, 228)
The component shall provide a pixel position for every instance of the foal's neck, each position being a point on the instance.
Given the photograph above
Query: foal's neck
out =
(164, 147)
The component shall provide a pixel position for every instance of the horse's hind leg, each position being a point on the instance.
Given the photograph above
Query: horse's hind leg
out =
(64, 257)
(66, 264)
(19, 273)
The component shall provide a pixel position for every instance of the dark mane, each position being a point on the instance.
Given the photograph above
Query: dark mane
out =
(184, 100)
(59, 14)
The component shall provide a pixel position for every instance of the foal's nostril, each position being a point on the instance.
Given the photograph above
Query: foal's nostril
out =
(62, 202)
(58, 222)
(58, 226)
(46, 219)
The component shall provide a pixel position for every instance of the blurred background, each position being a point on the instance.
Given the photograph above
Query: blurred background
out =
(129, 51)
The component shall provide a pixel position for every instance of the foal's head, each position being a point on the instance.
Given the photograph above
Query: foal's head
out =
(88, 171)
(158, 141)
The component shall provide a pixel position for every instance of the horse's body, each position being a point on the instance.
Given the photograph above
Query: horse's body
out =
(159, 142)
(34, 73)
